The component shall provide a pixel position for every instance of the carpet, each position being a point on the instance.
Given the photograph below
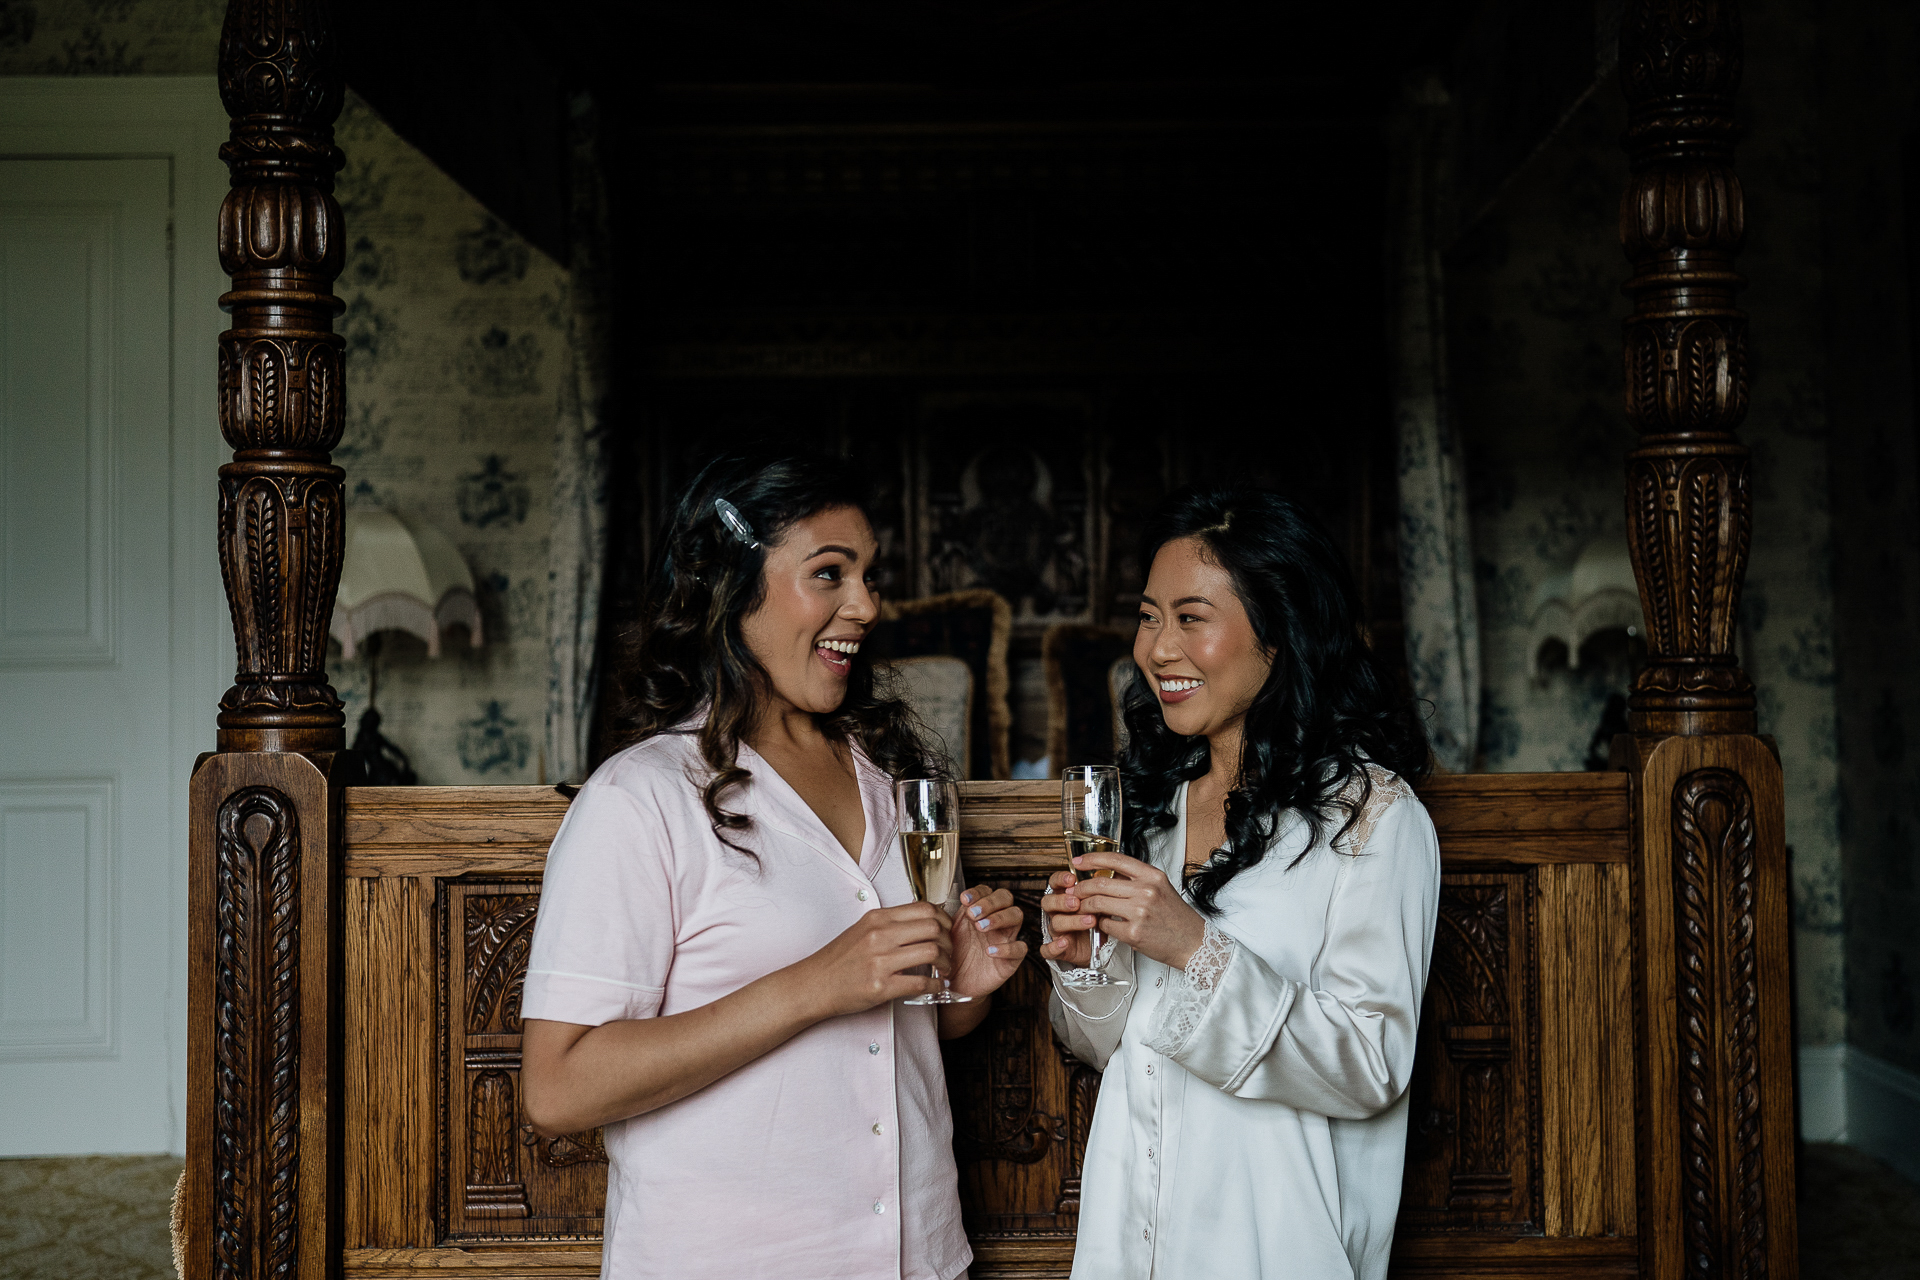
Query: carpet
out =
(86, 1217)
(105, 1218)
(1859, 1220)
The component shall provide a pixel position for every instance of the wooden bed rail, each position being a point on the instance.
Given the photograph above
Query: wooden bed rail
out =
(1606, 1078)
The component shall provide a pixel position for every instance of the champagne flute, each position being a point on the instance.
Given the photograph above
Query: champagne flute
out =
(1090, 823)
(929, 812)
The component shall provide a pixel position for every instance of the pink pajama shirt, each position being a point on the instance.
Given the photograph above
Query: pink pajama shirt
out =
(831, 1156)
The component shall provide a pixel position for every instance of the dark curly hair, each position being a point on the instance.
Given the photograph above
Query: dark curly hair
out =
(1326, 711)
(685, 653)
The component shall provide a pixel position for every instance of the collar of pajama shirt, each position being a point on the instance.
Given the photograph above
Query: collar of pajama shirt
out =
(832, 1155)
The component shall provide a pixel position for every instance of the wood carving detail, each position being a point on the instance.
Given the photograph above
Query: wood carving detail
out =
(281, 374)
(499, 936)
(279, 76)
(256, 977)
(494, 1189)
(1471, 1143)
(504, 1181)
(1022, 1105)
(1715, 864)
(282, 527)
(1470, 962)
(1689, 502)
(281, 391)
(1690, 527)
(1083, 1090)
(1680, 49)
(588, 1147)
(1001, 1087)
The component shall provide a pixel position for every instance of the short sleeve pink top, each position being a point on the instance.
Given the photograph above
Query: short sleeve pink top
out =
(832, 1155)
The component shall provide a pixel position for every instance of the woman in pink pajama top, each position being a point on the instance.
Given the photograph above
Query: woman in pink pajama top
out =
(726, 927)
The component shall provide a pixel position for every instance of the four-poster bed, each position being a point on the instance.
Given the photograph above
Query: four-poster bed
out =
(1605, 1079)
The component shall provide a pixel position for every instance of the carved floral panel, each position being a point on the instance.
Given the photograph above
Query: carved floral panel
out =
(1022, 1105)
(1473, 1146)
(500, 1180)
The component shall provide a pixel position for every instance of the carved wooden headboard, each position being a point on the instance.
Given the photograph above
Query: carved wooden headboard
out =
(1605, 1079)
(1521, 1151)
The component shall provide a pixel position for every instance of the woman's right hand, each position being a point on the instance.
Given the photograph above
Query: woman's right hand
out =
(1070, 946)
(866, 965)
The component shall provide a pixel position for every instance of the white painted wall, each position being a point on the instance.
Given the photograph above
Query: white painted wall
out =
(114, 640)
(1848, 1095)
(1823, 1092)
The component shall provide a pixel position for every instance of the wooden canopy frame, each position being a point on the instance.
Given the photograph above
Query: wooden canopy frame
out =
(1606, 1082)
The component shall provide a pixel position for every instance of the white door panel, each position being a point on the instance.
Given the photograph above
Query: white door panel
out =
(85, 644)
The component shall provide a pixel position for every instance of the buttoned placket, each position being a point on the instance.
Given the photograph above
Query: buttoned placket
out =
(893, 1098)
(1170, 1086)
(1145, 1102)
(1156, 1098)
(866, 892)
(1169, 1082)
(1157, 1072)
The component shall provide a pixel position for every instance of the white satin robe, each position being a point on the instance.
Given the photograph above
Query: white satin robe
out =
(1252, 1119)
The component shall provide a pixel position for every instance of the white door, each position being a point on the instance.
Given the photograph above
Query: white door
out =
(86, 735)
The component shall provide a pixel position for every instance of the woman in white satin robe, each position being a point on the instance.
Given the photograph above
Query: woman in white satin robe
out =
(1253, 1105)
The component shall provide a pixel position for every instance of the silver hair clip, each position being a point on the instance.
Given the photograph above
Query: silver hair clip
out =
(730, 517)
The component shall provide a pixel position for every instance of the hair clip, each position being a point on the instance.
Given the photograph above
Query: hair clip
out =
(730, 517)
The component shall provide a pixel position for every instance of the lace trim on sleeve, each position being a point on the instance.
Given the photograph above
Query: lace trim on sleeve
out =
(1190, 992)
(1388, 789)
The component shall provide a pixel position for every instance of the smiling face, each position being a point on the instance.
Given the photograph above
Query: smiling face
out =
(819, 604)
(1196, 644)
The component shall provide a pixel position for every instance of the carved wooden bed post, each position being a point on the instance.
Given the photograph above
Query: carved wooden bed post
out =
(263, 1148)
(1711, 889)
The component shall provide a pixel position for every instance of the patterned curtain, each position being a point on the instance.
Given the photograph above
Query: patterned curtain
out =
(576, 554)
(1436, 551)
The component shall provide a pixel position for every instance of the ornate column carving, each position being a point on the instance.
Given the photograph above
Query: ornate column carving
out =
(1710, 886)
(1689, 504)
(281, 375)
(262, 1187)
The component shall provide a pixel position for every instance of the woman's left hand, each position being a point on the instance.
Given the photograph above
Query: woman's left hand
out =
(986, 944)
(1139, 906)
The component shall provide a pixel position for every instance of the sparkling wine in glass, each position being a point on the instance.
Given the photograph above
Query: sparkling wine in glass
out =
(929, 812)
(1090, 823)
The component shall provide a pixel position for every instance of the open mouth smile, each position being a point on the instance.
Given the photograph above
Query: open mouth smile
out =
(837, 654)
(1179, 688)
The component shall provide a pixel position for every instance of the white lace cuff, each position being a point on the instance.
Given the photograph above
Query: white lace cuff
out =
(1189, 993)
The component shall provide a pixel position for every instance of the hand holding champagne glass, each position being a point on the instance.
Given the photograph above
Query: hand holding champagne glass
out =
(1090, 823)
(929, 811)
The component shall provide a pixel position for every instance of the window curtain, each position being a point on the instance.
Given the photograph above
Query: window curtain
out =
(1436, 551)
(576, 555)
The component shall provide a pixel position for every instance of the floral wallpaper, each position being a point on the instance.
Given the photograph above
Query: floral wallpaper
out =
(1534, 327)
(457, 343)
(109, 37)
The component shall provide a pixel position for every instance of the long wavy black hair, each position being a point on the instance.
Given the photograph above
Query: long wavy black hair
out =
(1326, 711)
(685, 653)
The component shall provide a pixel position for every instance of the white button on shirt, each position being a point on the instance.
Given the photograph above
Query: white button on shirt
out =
(645, 913)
